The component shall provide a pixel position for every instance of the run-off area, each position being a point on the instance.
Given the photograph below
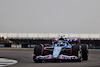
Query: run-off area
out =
(7, 62)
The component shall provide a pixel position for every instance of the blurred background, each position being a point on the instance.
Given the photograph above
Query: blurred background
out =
(29, 40)
(26, 23)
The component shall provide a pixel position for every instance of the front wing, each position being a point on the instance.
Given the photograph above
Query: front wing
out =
(65, 57)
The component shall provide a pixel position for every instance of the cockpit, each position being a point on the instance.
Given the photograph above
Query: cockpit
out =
(61, 43)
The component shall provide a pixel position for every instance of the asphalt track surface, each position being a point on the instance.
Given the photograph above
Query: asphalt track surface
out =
(24, 58)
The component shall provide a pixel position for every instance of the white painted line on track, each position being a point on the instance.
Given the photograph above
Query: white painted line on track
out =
(6, 62)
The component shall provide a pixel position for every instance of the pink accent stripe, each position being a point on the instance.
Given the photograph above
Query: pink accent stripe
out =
(50, 57)
(60, 57)
(42, 49)
(71, 48)
(76, 39)
(65, 56)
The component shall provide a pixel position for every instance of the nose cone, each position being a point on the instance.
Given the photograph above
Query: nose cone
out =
(56, 51)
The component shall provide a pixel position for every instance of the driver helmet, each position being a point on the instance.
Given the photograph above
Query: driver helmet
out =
(61, 44)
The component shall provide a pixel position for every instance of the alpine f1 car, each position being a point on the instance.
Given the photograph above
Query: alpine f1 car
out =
(61, 49)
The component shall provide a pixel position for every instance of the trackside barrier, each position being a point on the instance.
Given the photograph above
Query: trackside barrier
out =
(50, 35)
(94, 47)
(16, 46)
(2, 45)
(28, 45)
(5, 45)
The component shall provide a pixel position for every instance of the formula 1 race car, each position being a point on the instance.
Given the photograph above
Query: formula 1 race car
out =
(61, 49)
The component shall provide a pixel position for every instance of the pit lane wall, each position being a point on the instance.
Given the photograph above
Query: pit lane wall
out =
(93, 40)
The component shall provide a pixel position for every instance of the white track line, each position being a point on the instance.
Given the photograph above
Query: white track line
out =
(6, 62)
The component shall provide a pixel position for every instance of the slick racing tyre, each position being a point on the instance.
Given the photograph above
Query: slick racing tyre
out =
(84, 51)
(76, 49)
(37, 52)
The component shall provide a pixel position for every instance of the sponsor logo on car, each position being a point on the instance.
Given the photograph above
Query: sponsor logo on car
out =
(68, 57)
(44, 57)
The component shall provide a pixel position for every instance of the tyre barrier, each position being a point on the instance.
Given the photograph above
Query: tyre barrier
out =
(33, 45)
(5, 45)
(16, 45)
(28, 45)
(94, 47)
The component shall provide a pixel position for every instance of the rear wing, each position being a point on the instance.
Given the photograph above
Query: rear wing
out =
(69, 40)
(73, 41)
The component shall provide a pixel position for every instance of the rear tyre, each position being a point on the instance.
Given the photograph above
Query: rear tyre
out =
(84, 51)
(76, 51)
(37, 52)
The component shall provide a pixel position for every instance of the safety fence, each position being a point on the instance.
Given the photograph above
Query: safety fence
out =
(50, 35)
(30, 43)
(94, 47)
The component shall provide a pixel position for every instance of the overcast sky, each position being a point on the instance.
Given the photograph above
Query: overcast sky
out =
(49, 16)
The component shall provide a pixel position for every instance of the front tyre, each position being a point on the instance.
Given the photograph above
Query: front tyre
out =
(76, 51)
(37, 51)
(84, 51)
